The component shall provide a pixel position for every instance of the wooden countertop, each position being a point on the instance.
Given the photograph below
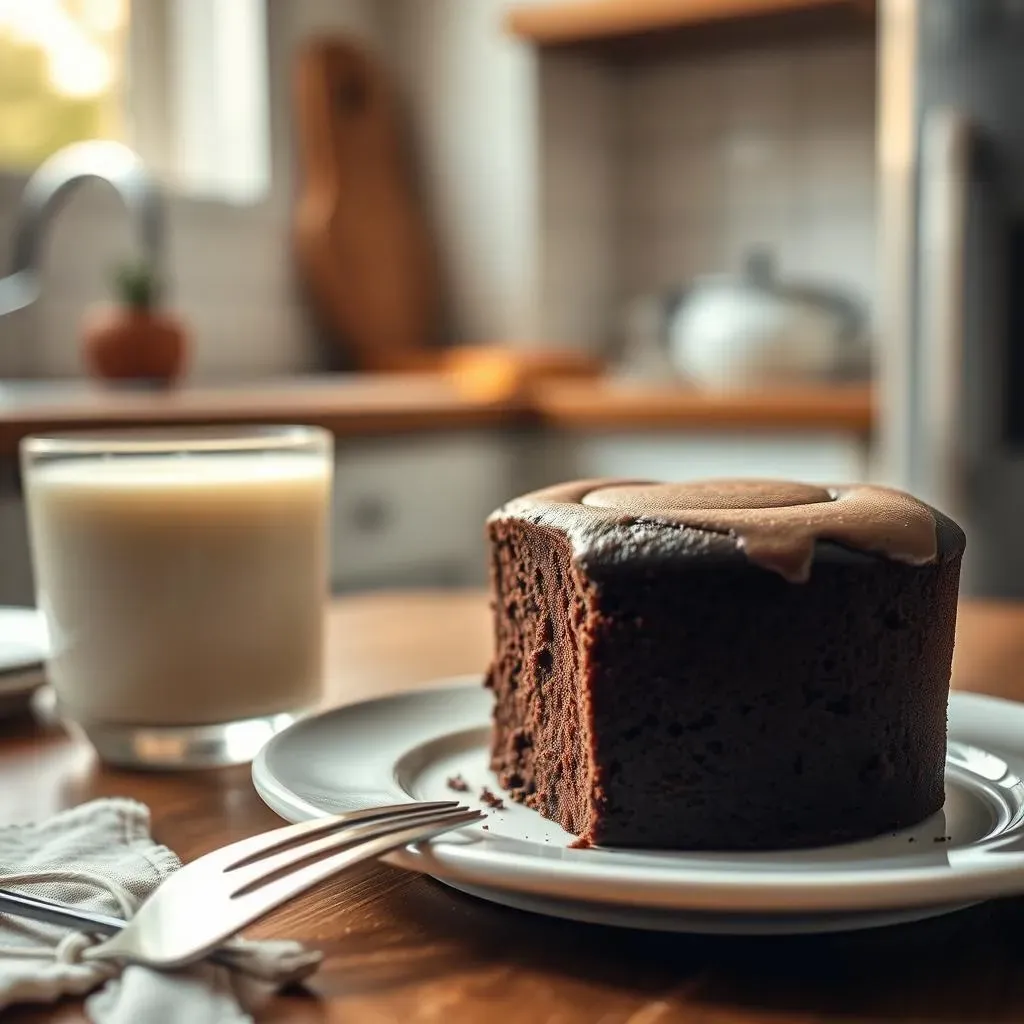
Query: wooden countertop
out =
(580, 21)
(360, 405)
(400, 947)
(344, 404)
(612, 404)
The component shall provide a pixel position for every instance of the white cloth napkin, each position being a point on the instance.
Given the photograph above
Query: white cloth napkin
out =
(100, 856)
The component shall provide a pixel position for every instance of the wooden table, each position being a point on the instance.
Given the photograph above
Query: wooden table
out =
(404, 949)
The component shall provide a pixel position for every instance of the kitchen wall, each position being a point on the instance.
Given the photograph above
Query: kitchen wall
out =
(472, 96)
(657, 172)
(581, 188)
(229, 266)
(471, 92)
(559, 186)
(773, 147)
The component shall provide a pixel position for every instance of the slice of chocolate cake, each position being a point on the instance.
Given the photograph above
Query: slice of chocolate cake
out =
(722, 665)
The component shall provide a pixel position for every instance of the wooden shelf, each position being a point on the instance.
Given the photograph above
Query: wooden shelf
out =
(587, 21)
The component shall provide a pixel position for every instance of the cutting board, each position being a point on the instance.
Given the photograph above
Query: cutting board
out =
(362, 242)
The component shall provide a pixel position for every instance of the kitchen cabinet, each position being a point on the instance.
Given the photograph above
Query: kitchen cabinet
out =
(16, 585)
(419, 467)
(411, 510)
(406, 510)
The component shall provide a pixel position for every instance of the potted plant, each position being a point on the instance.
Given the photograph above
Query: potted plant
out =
(134, 339)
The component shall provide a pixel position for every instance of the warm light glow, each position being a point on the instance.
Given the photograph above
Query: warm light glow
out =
(78, 65)
(80, 71)
(61, 70)
(105, 16)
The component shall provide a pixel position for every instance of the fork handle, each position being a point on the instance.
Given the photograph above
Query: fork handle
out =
(48, 912)
(36, 908)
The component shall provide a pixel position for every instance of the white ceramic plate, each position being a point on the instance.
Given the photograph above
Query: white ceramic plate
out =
(23, 649)
(408, 746)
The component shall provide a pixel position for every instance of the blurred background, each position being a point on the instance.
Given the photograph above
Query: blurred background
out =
(495, 244)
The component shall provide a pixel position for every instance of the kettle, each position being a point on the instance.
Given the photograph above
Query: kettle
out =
(749, 331)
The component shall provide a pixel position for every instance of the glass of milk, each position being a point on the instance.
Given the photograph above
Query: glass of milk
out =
(182, 575)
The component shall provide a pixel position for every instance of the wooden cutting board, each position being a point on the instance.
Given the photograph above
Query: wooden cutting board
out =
(361, 237)
(362, 241)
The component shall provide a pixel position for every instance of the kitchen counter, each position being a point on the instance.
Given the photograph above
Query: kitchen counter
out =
(613, 404)
(345, 405)
(576, 22)
(369, 405)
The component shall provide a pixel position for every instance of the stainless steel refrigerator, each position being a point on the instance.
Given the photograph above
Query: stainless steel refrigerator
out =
(951, 224)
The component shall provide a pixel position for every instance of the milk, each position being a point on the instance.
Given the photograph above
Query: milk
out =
(184, 588)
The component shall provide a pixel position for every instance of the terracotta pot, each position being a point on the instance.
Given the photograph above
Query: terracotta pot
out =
(127, 343)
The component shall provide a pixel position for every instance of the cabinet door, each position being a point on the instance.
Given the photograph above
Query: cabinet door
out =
(15, 561)
(16, 586)
(411, 510)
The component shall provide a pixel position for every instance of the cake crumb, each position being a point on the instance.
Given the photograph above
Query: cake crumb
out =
(486, 828)
(491, 800)
(911, 839)
(458, 784)
(942, 839)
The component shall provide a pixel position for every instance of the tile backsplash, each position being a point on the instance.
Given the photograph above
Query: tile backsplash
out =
(580, 186)
(679, 167)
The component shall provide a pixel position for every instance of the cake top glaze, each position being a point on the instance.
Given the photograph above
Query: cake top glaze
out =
(775, 523)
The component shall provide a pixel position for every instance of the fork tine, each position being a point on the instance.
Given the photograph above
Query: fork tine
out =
(250, 872)
(260, 901)
(170, 936)
(246, 850)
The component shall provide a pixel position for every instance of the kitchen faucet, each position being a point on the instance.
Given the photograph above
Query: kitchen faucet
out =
(50, 185)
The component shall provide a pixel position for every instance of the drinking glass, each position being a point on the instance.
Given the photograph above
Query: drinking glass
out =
(182, 576)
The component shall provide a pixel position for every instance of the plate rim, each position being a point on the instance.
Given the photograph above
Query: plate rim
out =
(968, 874)
(23, 681)
(18, 674)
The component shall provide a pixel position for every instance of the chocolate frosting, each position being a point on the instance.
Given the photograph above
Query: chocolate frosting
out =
(776, 523)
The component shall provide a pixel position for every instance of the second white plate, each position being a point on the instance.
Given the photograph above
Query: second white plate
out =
(23, 649)
(409, 746)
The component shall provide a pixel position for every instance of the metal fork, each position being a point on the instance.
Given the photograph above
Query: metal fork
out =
(198, 907)
(38, 908)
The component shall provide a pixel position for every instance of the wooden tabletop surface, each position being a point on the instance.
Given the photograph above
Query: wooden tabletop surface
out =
(404, 949)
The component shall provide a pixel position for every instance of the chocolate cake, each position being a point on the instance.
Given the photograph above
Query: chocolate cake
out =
(722, 665)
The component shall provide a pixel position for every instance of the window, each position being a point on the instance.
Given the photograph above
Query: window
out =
(61, 75)
(218, 97)
(183, 82)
